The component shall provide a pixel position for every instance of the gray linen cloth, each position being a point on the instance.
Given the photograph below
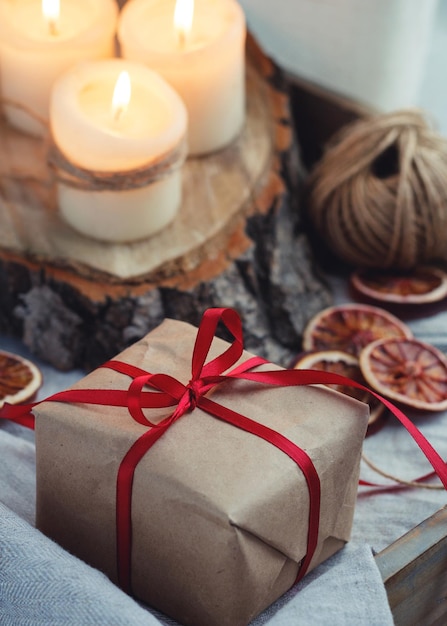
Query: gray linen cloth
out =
(42, 585)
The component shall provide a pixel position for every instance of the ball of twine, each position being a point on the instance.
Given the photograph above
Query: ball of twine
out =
(378, 196)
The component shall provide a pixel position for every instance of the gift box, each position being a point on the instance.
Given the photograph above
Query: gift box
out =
(222, 511)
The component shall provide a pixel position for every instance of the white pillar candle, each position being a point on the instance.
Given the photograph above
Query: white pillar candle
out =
(204, 64)
(95, 135)
(39, 41)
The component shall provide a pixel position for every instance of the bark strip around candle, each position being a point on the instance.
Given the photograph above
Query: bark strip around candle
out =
(66, 172)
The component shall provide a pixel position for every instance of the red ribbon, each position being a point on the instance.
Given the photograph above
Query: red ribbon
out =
(170, 392)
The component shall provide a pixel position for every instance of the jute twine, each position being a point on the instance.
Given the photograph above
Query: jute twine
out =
(400, 481)
(67, 173)
(378, 196)
(62, 170)
(8, 171)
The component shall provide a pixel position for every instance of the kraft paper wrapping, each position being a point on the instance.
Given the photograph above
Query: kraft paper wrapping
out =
(219, 516)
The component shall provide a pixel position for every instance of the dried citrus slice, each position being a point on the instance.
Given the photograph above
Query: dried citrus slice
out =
(347, 365)
(350, 327)
(407, 371)
(422, 285)
(19, 379)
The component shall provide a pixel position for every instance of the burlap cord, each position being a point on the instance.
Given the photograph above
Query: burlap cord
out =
(400, 481)
(378, 196)
(7, 102)
(7, 170)
(69, 174)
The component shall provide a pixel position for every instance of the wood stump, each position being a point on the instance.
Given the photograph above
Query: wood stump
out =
(238, 241)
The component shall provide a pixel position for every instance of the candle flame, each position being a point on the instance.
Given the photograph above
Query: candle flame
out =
(183, 16)
(121, 95)
(51, 12)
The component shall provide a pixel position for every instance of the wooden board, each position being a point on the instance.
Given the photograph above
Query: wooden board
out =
(238, 241)
(414, 570)
(319, 114)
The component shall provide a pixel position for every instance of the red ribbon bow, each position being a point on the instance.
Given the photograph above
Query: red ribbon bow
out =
(185, 398)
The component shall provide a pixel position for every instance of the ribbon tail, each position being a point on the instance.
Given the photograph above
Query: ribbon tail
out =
(19, 414)
(286, 378)
(124, 484)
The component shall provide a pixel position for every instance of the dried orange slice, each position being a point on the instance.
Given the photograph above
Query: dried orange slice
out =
(420, 286)
(19, 379)
(350, 327)
(347, 365)
(407, 371)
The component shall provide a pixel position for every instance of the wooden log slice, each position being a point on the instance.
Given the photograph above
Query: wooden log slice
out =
(238, 241)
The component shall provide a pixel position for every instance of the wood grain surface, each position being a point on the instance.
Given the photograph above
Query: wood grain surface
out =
(414, 570)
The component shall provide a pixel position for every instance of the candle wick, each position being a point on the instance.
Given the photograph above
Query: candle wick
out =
(52, 27)
(117, 113)
(181, 38)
